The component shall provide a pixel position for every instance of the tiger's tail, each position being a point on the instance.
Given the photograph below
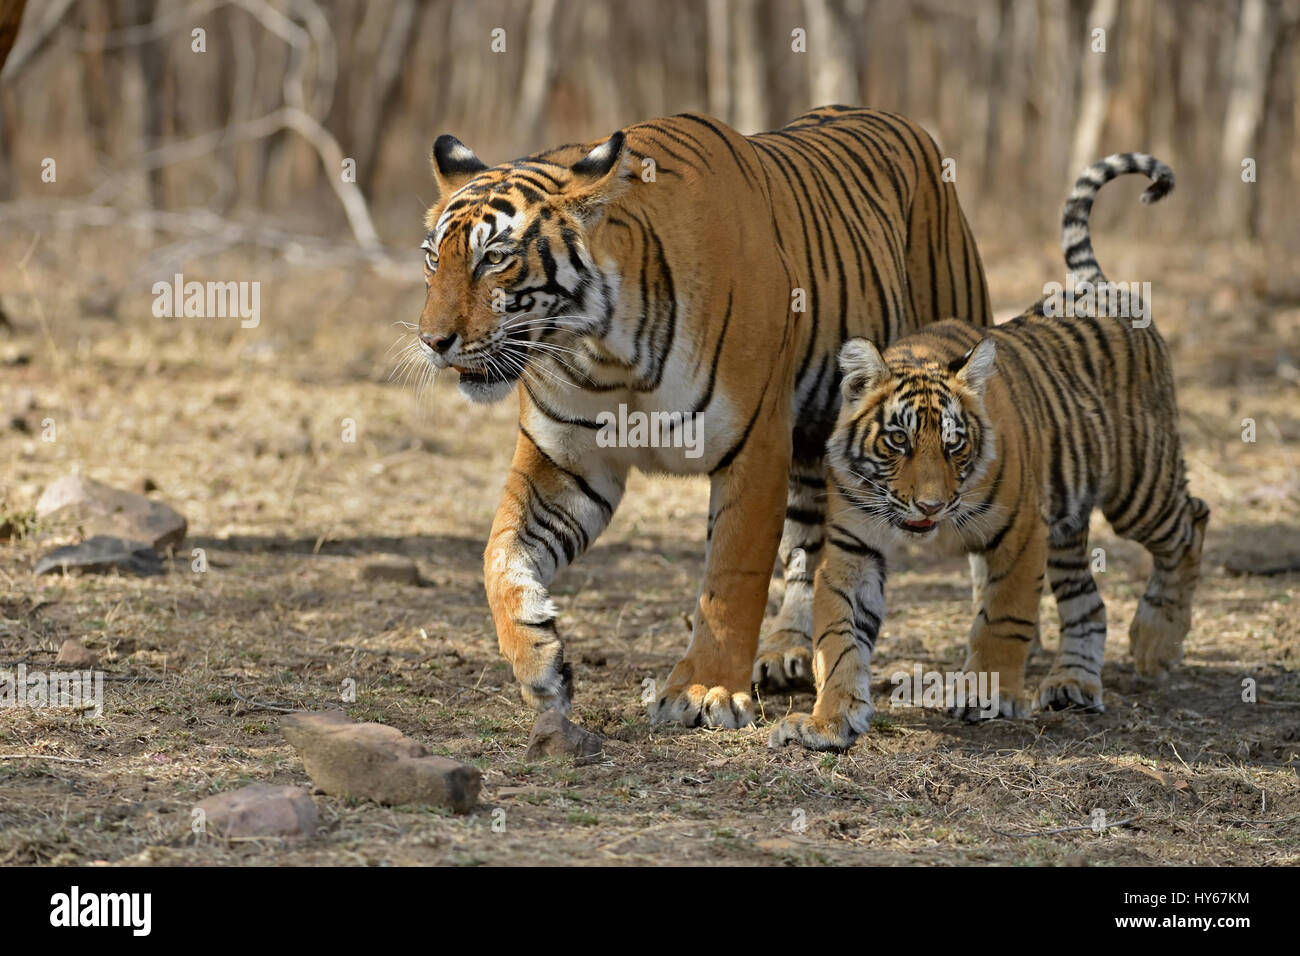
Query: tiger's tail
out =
(1076, 240)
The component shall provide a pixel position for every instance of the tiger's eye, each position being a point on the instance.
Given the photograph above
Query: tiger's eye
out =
(495, 257)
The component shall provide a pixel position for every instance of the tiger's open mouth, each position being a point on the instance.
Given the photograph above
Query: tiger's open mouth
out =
(480, 375)
(920, 527)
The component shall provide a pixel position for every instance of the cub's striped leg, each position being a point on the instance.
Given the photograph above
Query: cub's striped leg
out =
(979, 582)
(548, 516)
(1004, 627)
(849, 606)
(1164, 615)
(1075, 677)
(784, 659)
(710, 686)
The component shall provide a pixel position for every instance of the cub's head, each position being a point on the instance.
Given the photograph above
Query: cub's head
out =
(507, 261)
(913, 438)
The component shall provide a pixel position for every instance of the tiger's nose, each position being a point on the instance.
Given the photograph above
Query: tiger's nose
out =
(439, 343)
(930, 507)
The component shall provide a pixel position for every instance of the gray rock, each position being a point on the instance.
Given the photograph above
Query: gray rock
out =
(76, 655)
(554, 735)
(261, 809)
(104, 510)
(392, 568)
(100, 554)
(375, 762)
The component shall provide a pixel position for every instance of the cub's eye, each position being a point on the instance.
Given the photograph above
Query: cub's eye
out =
(897, 439)
(494, 257)
(956, 443)
(431, 260)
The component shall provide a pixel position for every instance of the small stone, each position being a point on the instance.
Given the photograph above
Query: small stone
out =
(100, 303)
(261, 809)
(379, 763)
(105, 510)
(100, 554)
(555, 735)
(76, 655)
(393, 568)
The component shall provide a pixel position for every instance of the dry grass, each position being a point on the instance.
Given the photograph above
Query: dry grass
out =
(241, 429)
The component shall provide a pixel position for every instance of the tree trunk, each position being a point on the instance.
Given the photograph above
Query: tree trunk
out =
(1242, 118)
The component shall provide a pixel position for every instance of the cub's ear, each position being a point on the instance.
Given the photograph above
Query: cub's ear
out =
(862, 367)
(454, 164)
(597, 178)
(977, 366)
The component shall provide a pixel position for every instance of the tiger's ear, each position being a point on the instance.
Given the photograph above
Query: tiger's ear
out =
(977, 366)
(862, 367)
(454, 164)
(597, 178)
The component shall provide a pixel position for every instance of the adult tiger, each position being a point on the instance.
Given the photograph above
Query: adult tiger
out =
(1001, 443)
(681, 268)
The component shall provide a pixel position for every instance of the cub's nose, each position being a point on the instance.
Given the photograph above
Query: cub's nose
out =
(439, 343)
(930, 507)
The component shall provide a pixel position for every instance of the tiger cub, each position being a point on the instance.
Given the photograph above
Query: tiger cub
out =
(1001, 442)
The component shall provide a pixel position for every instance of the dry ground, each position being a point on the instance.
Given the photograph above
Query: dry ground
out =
(241, 430)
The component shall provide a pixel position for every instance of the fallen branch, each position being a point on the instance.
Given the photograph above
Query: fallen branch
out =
(1088, 826)
(44, 757)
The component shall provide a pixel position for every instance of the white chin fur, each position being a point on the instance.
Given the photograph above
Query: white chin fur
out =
(485, 393)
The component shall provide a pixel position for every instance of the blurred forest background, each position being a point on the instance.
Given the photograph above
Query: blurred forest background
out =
(245, 140)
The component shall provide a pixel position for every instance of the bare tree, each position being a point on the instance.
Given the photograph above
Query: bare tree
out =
(1095, 94)
(832, 76)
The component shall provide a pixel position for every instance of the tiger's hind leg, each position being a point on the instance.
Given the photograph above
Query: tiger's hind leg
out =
(1164, 614)
(784, 660)
(1075, 677)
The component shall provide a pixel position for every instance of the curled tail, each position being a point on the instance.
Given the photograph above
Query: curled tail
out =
(1076, 241)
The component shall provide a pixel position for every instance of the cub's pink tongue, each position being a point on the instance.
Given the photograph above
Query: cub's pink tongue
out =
(919, 525)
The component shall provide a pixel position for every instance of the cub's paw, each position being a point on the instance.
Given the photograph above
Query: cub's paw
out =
(987, 705)
(1156, 637)
(784, 662)
(822, 733)
(696, 705)
(545, 679)
(1069, 688)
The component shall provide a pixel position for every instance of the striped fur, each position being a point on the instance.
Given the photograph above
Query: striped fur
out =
(675, 293)
(1001, 443)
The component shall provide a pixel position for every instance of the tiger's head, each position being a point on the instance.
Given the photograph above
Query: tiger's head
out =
(913, 438)
(509, 269)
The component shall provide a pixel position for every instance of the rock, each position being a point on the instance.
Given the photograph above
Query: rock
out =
(392, 568)
(555, 735)
(102, 553)
(100, 303)
(76, 655)
(375, 762)
(261, 809)
(105, 510)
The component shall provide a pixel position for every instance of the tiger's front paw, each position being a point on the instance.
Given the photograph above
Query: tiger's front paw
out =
(545, 679)
(784, 662)
(696, 705)
(1070, 688)
(989, 703)
(822, 733)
